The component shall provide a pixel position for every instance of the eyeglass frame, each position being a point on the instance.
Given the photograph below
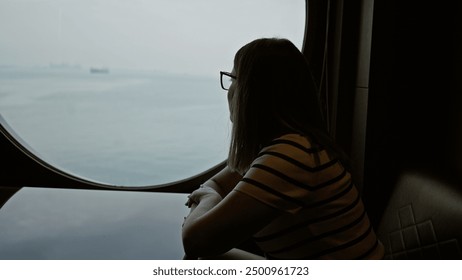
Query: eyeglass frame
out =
(226, 74)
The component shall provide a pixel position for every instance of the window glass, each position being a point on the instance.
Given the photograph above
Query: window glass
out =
(128, 92)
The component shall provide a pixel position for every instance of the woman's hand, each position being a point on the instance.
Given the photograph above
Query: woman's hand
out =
(204, 192)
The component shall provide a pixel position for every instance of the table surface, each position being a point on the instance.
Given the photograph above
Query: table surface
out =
(43, 223)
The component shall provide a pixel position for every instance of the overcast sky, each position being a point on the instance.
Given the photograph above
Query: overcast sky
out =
(180, 36)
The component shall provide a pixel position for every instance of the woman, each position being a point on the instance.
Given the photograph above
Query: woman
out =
(286, 184)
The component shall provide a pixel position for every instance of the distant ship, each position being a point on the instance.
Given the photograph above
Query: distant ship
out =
(94, 70)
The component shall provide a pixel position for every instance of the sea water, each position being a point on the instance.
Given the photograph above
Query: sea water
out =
(120, 127)
(129, 128)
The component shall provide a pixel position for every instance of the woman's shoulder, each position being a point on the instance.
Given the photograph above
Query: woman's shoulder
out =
(295, 141)
(290, 149)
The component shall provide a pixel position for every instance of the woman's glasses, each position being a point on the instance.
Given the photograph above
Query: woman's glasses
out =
(226, 81)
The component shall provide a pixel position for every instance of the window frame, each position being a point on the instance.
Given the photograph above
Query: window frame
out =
(24, 167)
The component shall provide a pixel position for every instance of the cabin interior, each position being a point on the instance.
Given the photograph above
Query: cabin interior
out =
(389, 77)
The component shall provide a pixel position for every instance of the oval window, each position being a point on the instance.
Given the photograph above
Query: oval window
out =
(127, 92)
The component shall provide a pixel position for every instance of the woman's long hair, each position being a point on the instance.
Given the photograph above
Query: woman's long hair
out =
(274, 94)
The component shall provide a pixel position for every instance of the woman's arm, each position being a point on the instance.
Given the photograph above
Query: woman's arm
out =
(217, 225)
(224, 181)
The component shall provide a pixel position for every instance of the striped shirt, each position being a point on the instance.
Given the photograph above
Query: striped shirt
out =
(323, 215)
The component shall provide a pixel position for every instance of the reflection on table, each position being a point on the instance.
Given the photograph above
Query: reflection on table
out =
(40, 223)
